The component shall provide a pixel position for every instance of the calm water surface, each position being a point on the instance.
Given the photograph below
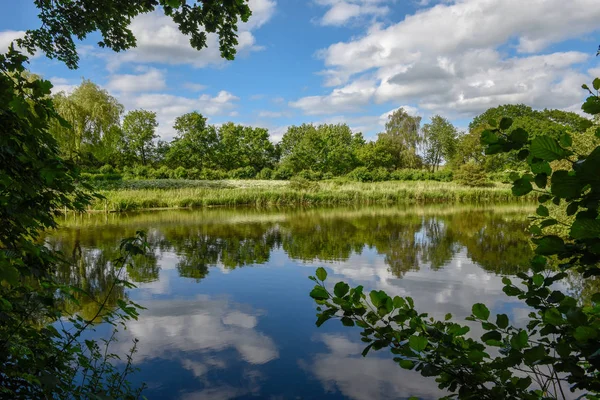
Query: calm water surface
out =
(228, 313)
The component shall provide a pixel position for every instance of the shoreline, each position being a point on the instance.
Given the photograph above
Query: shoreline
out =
(161, 195)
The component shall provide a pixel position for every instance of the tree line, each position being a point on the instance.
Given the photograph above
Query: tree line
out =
(100, 134)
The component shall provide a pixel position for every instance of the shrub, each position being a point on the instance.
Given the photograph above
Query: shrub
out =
(283, 173)
(401, 175)
(328, 175)
(242, 173)
(194, 173)
(444, 175)
(161, 173)
(310, 175)
(179, 173)
(360, 174)
(380, 174)
(141, 171)
(100, 177)
(265, 174)
(212, 174)
(471, 174)
(106, 169)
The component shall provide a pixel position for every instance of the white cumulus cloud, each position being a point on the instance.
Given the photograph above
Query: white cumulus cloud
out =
(160, 41)
(148, 81)
(341, 12)
(459, 57)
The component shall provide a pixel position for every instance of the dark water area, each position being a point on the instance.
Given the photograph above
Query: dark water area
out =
(226, 291)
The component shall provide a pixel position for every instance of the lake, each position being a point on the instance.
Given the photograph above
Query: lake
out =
(228, 313)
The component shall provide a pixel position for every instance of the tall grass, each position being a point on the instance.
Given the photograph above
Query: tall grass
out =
(280, 193)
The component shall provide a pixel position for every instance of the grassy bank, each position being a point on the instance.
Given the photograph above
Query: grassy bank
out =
(132, 195)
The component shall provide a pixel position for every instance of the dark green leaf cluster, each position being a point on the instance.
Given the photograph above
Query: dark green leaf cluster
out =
(38, 360)
(558, 350)
(65, 21)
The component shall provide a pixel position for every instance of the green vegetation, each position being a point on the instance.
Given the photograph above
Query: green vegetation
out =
(143, 194)
(494, 237)
(558, 350)
(43, 351)
(96, 140)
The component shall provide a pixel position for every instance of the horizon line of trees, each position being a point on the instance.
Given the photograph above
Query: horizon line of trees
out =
(100, 134)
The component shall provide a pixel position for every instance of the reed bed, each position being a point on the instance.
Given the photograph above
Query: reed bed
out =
(194, 194)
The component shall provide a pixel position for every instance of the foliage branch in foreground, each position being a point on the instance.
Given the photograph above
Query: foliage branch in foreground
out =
(558, 350)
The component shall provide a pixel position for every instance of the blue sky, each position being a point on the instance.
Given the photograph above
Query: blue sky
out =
(347, 61)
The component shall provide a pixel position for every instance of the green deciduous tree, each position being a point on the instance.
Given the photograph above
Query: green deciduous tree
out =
(553, 123)
(439, 141)
(402, 138)
(92, 115)
(245, 146)
(375, 155)
(196, 144)
(139, 132)
(325, 148)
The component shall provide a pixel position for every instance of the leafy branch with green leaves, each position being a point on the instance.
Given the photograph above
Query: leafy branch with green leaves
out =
(558, 351)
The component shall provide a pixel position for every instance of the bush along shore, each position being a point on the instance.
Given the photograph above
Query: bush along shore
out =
(129, 195)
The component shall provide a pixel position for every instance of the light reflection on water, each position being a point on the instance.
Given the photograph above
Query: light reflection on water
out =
(228, 313)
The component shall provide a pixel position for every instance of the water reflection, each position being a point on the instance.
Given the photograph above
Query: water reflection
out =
(343, 368)
(226, 291)
(496, 240)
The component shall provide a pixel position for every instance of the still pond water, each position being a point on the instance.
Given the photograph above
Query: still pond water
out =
(228, 313)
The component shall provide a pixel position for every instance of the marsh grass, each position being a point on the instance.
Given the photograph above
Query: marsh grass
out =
(135, 195)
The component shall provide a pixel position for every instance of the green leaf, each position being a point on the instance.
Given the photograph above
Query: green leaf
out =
(173, 3)
(520, 340)
(566, 140)
(553, 317)
(377, 297)
(448, 317)
(505, 123)
(321, 273)
(418, 343)
(521, 187)
(519, 136)
(572, 208)
(341, 289)
(319, 293)
(547, 149)
(476, 355)
(538, 280)
(549, 245)
(591, 105)
(406, 364)
(585, 228)
(534, 355)
(541, 180)
(585, 333)
(596, 83)
(399, 302)
(564, 185)
(542, 211)
(488, 137)
(502, 321)
(480, 311)
(491, 335)
(346, 321)
(541, 167)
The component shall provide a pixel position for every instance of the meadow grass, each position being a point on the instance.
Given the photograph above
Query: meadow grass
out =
(135, 195)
